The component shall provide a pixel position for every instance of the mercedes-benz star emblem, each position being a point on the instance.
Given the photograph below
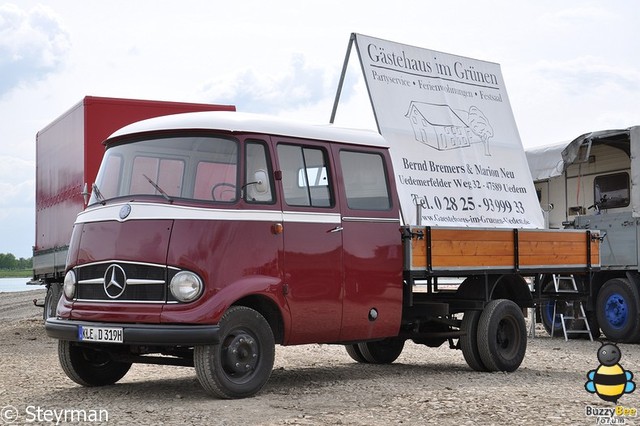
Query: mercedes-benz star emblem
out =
(124, 211)
(115, 281)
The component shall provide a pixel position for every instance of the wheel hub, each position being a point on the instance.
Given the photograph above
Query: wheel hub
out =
(240, 354)
(616, 310)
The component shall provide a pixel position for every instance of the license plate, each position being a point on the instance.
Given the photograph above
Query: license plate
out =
(100, 334)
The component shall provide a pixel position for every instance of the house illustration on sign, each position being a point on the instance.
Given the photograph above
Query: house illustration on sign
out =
(443, 128)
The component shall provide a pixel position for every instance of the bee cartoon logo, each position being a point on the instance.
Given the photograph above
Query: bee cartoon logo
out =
(609, 381)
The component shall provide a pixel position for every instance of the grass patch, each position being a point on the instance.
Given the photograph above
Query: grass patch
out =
(16, 273)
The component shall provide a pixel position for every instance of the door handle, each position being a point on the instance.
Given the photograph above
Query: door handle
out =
(336, 229)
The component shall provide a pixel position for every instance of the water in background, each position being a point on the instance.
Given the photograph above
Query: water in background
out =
(17, 284)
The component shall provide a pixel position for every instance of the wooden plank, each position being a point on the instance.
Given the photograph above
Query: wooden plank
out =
(552, 235)
(472, 234)
(558, 247)
(472, 248)
(441, 262)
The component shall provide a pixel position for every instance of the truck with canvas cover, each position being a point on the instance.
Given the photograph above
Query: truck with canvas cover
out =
(210, 237)
(592, 183)
(68, 154)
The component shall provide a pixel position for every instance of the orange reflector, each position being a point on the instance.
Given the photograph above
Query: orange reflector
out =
(277, 228)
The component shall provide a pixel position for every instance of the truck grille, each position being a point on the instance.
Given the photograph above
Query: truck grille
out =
(122, 282)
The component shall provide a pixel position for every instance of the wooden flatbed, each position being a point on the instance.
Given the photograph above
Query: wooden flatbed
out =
(450, 251)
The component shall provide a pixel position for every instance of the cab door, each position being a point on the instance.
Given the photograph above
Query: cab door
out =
(372, 247)
(312, 232)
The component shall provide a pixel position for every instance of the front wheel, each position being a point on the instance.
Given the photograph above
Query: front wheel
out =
(90, 366)
(502, 336)
(618, 310)
(241, 363)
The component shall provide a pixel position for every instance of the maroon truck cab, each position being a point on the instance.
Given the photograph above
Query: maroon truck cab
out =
(212, 236)
(68, 155)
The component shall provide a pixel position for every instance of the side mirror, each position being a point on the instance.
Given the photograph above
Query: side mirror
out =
(261, 182)
(85, 194)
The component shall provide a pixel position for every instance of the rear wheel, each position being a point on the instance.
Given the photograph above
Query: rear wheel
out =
(618, 310)
(469, 342)
(383, 351)
(54, 291)
(502, 336)
(554, 327)
(90, 366)
(240, 365)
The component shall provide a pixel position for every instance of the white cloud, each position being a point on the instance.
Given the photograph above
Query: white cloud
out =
(32, 43)
(17, 183)
(298, 85)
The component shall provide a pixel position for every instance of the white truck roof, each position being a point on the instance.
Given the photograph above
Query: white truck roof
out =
(253, 123)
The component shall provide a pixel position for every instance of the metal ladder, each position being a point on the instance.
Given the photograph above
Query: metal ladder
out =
(578, 308)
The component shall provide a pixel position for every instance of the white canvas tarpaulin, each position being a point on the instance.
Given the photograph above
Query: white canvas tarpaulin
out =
(454, 142)
(546, 162)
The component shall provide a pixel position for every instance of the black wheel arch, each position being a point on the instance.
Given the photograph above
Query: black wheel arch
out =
(508, 286)
(269, 310)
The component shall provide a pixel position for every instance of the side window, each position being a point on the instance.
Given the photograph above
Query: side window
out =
(113, 167)
(258, 186)
(305, 177)
(611, 191)
(365, 181)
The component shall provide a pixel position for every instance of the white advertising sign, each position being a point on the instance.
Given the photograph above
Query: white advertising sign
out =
(454, 141)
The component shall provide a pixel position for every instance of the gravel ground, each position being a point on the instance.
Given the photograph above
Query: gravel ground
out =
(310, 385)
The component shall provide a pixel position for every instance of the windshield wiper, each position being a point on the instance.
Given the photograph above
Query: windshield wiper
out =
(98, 194)
(160, 190)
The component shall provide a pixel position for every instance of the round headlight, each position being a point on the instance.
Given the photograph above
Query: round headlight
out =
(70, 284)
(186, 286)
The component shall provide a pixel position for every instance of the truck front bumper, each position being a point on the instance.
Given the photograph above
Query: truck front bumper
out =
(139, 334)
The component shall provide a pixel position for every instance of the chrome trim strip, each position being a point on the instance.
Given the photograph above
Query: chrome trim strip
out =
(136, 281)
(94, 281)
(119, 301)
(128, 262)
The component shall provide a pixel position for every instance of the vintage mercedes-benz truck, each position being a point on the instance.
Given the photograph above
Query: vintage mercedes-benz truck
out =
(210, 237)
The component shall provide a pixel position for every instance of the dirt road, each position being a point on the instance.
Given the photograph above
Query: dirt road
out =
(310, 385)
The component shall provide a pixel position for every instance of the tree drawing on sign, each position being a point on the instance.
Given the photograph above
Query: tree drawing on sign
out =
(480, 126)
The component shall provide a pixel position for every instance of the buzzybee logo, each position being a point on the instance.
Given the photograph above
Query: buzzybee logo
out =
(609, 381)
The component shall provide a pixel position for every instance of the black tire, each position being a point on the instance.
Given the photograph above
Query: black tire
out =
(469, 342)
(502, 336)
(240, 365)
(88, 366)
(355, 354)
(382, 351)
(618, 310)
(54, 291)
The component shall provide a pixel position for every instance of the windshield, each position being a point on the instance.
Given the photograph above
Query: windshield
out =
(193, 167)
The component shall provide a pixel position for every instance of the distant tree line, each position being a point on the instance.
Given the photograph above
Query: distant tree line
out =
(10, 262)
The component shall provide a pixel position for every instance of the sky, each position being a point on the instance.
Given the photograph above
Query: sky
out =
(570, 66)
